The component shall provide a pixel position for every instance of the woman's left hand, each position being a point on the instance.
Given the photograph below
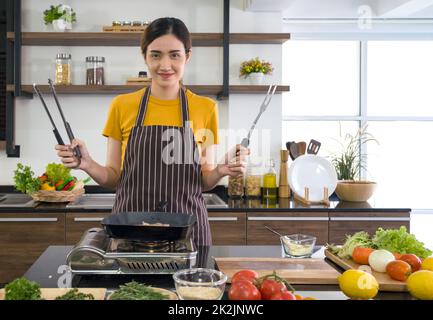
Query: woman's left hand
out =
(234, 162)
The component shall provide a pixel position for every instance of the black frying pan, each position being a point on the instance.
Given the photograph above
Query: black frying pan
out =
(129, 225)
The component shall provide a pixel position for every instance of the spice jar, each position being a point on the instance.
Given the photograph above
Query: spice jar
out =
(95, 70)
(63, 69)
(236, 186)
(116, 23)
(253, 180)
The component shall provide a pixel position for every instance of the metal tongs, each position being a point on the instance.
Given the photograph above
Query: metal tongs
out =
(59, 139)
(246, 141)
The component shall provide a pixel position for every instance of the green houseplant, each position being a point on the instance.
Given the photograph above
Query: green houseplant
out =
(60, 16)
(348, 163)
(254, 69)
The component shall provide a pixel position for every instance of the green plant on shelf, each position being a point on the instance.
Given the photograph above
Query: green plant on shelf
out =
(59, 12)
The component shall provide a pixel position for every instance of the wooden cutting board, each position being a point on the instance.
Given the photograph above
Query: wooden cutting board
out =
(384, 280)
(295, 271)
(52, 293)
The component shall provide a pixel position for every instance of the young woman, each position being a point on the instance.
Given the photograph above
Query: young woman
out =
(153, 156)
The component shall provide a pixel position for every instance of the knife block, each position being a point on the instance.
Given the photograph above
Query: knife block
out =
(283, 188)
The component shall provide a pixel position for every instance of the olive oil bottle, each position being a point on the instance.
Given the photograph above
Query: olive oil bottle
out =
(270, 181)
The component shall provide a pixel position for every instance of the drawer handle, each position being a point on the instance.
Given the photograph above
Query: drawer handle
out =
(288, 218)
(95, 219)
(369, 219)
(223, 219)
(28, 219)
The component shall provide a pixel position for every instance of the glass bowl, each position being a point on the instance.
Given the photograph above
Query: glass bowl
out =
(298, 245)
(199, 284)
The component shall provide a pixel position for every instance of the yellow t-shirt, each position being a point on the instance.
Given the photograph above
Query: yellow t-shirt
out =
(203, 113)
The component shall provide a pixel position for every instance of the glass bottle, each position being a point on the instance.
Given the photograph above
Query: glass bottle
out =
(270, 181)
(253, 181)
(95, 70)
(63, 69)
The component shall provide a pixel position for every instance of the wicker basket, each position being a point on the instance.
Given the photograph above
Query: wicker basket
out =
(57, 196)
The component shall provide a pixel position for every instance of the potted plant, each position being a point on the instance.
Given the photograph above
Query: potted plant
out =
(254, 69)
(348, 163)
(61, 17)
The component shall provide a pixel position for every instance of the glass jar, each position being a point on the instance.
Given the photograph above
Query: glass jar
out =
(270, 181)
(236, 186)
(253, 181)
(95, 70)
(116, 23)
(63, 69)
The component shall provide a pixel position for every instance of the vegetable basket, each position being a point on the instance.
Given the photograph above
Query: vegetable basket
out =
(57, 196)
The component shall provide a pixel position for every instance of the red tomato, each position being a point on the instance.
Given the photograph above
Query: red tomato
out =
(244, 290)
(284, 295)
(398, 270)
(270, 287)
(413, 261)
(360, 255)
(248, 275)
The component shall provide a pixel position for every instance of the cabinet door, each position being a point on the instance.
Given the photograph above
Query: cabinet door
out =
(310, 223)
(348, 223)
(23, 238)
(228, 228)
(78, 223)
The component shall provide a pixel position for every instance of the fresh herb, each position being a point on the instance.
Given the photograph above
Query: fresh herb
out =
(137, 291)
(359, 239)
(74, 294)
(400, 241)
(57, 172)
(22, 289)
(24, 179)
(60, 11)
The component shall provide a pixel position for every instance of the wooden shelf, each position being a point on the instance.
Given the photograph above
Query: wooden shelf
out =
(133, 39)
(118, 89)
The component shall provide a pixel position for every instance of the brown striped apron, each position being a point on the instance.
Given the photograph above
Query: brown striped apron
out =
(162, 164)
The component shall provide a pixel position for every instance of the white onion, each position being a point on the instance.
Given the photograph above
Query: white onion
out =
(378, 259)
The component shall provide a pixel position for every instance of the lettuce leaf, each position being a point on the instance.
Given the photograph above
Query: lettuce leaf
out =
(359, 239)
(57, 172)
(400, 241)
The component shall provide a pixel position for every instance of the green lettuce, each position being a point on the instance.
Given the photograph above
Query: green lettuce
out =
(359, 239)
(400, 241)
(57, 172)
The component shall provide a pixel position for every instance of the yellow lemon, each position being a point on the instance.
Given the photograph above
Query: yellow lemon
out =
(357, 284)
(427, 264)
(420, 284)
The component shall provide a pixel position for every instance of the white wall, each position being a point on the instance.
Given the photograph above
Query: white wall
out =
(87, 113)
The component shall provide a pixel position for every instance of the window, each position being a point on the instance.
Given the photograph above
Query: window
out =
(386, 84)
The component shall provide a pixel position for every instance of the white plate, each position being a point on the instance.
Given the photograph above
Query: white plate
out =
(313, 172)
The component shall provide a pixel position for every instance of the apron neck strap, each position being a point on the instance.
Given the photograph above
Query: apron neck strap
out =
(145, 100)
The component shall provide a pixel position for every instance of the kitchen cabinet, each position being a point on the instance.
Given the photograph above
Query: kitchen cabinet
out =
(228, 228)
(23, 237)
(78, 223)
(311, 223)
(347, 223)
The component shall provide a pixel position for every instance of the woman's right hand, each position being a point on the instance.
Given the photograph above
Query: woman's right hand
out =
(65, 152)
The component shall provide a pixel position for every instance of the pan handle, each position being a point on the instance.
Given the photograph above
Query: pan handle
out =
(162, 206)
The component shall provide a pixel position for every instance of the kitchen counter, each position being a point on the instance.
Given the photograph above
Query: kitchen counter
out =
(49, 268)
(233, 205)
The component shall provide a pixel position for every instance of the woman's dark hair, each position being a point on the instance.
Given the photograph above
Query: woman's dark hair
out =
(162, 26)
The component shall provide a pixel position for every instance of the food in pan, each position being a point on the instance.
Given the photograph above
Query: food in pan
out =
(157, 224)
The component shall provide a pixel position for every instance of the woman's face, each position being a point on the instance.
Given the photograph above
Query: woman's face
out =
(166, 59)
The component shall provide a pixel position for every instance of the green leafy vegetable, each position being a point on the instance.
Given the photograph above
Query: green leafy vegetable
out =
(57, 172)
(74, 294)
(400, 241)
(22, 289)
(359, 239)
(24, 179)
(137, 291)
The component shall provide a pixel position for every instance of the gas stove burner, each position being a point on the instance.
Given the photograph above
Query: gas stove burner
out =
(97, 253)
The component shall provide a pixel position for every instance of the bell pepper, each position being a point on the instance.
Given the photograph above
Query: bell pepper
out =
(47, 186)
(43, 178)
(61, 184)
(69, 186)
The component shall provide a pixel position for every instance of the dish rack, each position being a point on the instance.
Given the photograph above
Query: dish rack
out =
(306, 198)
